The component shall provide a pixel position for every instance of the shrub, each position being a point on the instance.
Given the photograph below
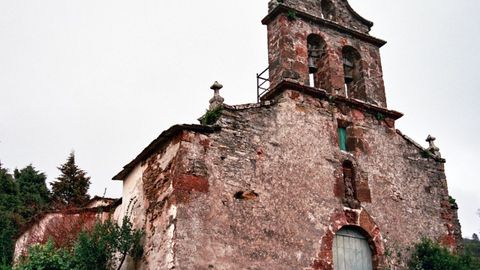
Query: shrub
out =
(108, 245)
(472, 247)
(47, 257)
(128, 241)
(4, 266)
(93, 249)
(431, 256)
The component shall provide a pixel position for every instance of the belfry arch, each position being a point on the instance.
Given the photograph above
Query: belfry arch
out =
(352, 72)
(317, 59)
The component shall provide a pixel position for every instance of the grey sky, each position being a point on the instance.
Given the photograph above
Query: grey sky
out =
(105, 77)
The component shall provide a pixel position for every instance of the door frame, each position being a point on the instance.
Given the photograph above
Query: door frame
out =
(362, 222)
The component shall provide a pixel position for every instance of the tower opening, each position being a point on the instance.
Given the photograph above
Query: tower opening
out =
(351, 70)
(316, 51)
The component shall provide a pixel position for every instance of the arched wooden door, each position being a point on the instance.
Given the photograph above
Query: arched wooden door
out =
(351, 251)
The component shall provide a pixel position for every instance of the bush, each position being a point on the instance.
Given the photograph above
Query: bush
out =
(47, 257)
(5, 267)
(431, 256)
(108, 245)
(472, 247)
(93, 249)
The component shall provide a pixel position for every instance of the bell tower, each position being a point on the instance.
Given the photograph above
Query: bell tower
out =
(324, 45)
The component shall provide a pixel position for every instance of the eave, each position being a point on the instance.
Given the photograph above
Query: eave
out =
(165, 137)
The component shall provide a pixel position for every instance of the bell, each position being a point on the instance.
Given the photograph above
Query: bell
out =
(348, 70)
(312, 67)
(348, 76)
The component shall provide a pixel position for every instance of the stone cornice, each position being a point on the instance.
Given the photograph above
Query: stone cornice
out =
(322, 94)
(283, 9)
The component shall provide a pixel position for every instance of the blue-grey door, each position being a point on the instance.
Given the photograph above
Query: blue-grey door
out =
(351, 251)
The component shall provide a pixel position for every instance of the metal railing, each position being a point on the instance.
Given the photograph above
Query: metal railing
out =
(263, 83)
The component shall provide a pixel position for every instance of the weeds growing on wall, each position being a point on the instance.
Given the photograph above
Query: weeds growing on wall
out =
(211, 116)
(291, 15)
(380, 116)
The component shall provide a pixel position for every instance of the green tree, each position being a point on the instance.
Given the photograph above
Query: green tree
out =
(8, 231)
(22, 196)
(71, 187)
(9, 221)
(33, 194)
(8, 191)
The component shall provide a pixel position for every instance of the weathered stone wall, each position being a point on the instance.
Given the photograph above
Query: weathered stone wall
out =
(264, 192)
(288, 55)
(62, 227)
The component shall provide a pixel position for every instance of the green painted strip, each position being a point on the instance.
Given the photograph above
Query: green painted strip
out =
(342, 138)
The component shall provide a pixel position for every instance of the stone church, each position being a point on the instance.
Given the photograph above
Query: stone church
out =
(312, 176)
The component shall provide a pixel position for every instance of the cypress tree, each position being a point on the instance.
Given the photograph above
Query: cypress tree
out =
(71, 187)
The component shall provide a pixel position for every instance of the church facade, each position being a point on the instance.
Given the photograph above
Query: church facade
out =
(313, 176)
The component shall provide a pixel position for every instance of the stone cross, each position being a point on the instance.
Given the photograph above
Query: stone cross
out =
(432, 147)
(217, 100)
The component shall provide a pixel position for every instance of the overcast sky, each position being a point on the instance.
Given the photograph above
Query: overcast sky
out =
(105, 77)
